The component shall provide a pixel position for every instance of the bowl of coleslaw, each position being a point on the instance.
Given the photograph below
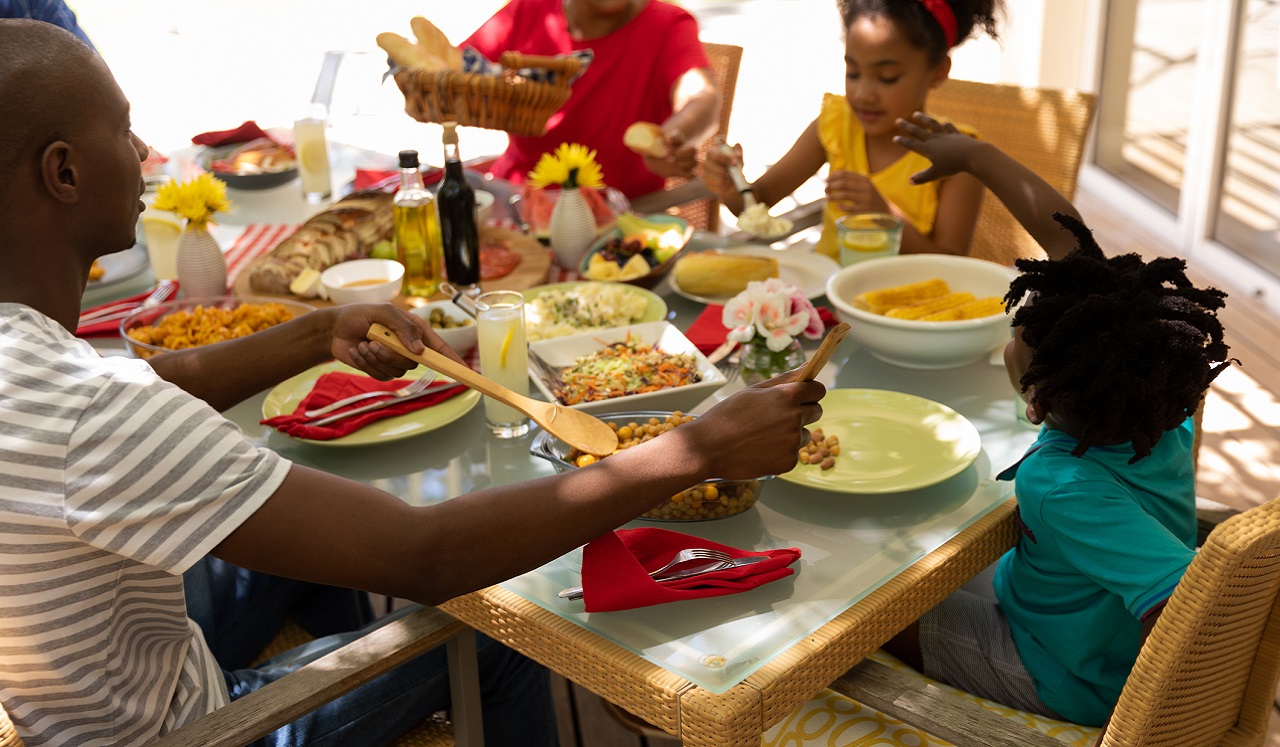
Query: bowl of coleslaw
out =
(639, 366)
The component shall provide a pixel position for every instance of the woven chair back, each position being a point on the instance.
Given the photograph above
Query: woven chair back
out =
(1207, 675)
(725, 59)
(1042, 129)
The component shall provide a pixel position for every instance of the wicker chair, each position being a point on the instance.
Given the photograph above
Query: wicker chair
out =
(1043, 129)
(704, 213)
(259, 713)
(1206, 676)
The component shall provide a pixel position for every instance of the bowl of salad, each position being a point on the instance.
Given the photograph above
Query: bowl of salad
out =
(640, 366)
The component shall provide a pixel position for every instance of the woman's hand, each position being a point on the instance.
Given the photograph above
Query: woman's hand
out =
(681, 157)
(854, 193)
(950, 150)
(351, 345)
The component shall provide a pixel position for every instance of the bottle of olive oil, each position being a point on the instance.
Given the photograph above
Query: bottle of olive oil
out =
(417, 230)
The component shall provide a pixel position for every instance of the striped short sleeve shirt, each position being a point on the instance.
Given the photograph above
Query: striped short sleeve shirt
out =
(112, 483)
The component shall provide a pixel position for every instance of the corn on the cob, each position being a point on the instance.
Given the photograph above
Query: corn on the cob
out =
(883, 299)
(934, 305)
(973, 310)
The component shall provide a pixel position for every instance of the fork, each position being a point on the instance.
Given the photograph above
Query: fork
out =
(121, 310)
(684, 556)
(413, 387)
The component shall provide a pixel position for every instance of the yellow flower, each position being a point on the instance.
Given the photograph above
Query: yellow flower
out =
(572, 165)
(197, 200)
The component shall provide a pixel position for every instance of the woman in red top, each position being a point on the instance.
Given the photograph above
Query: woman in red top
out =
(648, 66)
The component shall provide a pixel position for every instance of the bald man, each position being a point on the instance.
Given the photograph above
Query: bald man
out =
(116, 475)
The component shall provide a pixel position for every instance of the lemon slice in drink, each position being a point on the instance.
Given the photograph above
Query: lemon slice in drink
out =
(313, 157)
(865, 241)
(506, 345)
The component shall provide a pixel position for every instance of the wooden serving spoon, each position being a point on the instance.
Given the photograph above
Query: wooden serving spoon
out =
(824, 351)
(576, 428)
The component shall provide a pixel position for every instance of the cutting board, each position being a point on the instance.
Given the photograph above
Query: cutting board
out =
(535, 263)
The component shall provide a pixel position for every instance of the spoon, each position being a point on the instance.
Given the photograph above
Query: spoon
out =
(739, 181)
(576, 428)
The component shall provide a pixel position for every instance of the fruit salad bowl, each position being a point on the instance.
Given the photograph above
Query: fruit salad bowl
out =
(637, 250)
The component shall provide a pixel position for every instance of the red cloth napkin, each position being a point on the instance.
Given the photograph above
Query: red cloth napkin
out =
(112, 328)
(708, 331)
(242, 134)
(335, 386)
(616, 566)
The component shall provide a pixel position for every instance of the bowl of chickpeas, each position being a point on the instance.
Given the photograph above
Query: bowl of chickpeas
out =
(450, 322)
(713, 499)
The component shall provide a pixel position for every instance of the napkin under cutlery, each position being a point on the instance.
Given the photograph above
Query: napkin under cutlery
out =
(334, 386)
(109, 324)
(616, 566)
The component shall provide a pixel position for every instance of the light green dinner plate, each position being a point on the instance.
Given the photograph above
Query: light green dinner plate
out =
(656, 312)
(285, 397)
(889, 442)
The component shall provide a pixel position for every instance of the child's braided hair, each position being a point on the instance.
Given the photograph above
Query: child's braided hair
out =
(1124, 347)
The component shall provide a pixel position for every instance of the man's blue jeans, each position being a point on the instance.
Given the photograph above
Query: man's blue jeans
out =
(240, 611)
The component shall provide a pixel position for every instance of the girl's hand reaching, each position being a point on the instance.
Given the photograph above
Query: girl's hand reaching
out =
(715, 174)
(854, 193)
(950, 150)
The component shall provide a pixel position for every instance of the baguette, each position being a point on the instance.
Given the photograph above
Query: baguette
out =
(435, 44)
(646, 139)
(722, 274)
(402, 51)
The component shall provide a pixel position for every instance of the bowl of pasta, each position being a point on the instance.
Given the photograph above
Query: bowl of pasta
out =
(192, 322)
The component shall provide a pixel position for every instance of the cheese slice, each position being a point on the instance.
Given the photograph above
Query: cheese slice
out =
(307, 284)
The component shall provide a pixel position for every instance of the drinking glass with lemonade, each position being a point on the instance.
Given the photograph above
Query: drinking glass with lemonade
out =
(863, 236)
(504, 357)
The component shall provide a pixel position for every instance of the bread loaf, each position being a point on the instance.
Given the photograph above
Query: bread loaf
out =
(347, 230)
(435, 44)
(646, 139)
(722, 273)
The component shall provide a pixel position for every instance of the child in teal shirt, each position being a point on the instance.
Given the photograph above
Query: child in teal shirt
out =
(1112, 356)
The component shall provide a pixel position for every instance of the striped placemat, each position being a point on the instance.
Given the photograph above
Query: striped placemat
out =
(255, 241)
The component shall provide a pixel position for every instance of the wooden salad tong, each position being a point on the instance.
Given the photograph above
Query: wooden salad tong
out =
(580, 430)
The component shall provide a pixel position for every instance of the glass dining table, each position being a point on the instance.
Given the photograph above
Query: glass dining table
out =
(720, 671)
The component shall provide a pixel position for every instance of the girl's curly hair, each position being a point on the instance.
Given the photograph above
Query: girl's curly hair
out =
(1126, 348)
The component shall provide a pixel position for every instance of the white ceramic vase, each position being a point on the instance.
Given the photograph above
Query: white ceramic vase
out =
(573, 228)
(202, 268)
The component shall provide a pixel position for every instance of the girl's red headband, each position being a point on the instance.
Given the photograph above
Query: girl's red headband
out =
(946, 18)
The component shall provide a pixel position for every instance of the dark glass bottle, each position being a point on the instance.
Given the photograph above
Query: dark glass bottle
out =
(456, 205)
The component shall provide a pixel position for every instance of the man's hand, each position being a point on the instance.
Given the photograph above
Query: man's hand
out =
(759, 430)
(350, 343)
(854, 193)
(681, 157)
(950, 150)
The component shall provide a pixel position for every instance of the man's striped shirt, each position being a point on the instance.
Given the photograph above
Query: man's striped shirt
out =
(112, 483)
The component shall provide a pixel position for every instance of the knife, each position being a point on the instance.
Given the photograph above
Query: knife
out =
(384, 403)
(719, 565)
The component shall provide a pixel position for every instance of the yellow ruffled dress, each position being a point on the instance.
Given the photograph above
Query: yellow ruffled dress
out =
(845, 142)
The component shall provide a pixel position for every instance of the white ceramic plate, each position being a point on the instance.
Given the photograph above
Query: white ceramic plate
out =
(120, 267)
(797, 266)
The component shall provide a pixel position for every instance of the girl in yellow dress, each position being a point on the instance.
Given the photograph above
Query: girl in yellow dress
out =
(896, 51)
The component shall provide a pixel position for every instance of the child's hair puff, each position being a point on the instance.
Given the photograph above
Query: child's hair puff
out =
(918, 24)
(1124, 348)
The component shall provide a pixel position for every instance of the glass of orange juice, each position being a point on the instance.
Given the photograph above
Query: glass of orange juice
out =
(504, 357)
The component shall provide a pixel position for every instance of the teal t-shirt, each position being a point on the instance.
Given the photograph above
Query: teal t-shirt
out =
(1103, 541)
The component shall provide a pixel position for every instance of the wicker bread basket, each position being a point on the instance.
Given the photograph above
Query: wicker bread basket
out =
(510, 102)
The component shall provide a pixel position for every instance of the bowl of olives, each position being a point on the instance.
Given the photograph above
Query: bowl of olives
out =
(450, 322)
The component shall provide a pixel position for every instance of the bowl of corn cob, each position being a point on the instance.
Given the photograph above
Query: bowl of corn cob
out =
(924, 311)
